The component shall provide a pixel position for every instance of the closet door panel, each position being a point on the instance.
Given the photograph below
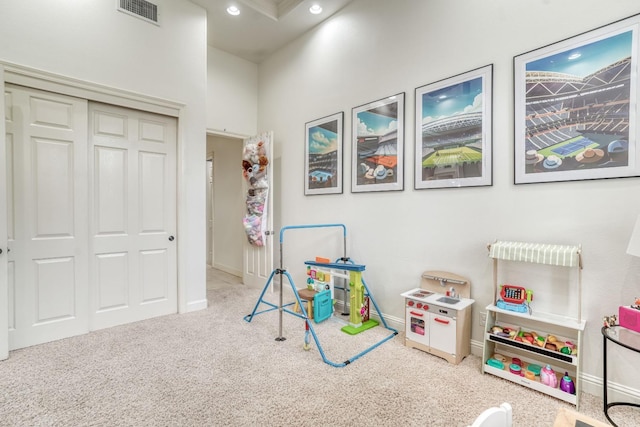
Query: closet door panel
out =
(53, 188)
(111, 191)
(48, 221)
(133, 211)
(113, 281)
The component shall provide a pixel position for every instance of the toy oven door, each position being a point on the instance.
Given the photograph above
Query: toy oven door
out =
(417, 325)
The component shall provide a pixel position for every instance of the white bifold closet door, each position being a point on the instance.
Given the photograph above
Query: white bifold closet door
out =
(133, 215)
(47, 216)
(91, 196)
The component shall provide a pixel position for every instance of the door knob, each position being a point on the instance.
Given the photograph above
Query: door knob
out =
(171, 238)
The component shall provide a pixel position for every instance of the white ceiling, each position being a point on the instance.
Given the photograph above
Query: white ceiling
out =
(263, 26)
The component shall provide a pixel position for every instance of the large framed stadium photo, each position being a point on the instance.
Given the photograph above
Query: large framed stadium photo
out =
(575, 109)
(323, 155)
(377, 153)
(453, 145)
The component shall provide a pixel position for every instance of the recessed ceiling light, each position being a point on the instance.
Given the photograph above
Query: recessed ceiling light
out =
(575, 56)
(315, 9)
(232, 10)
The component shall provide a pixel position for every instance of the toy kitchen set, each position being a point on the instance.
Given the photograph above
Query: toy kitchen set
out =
(438, 316)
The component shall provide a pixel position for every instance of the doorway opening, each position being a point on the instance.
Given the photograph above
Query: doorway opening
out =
(225, 207)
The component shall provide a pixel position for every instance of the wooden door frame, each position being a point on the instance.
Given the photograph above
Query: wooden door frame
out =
(38, 79)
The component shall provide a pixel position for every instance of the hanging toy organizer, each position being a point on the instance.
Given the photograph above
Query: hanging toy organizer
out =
(255, 170)
(344, 264)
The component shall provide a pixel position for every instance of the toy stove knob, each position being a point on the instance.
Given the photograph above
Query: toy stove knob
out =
(410, 303)
(425, 307)
(419, 305)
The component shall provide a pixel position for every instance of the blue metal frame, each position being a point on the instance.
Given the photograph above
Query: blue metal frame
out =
(283, 308)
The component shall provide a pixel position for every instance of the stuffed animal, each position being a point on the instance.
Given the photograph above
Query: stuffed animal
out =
(262, 151)
(246, 169)
(250, 153)
(263, 161)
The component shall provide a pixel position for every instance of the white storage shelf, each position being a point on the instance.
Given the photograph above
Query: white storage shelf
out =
(535, 385)
(532, 349)
(542, 254)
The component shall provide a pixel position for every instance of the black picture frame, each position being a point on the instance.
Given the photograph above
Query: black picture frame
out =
(323, 169)
(575, 104)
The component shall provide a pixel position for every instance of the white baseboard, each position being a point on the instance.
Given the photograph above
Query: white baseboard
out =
(196, 305)
(226, 269)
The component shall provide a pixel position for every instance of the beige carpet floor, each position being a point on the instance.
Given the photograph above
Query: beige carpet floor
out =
(212, 368)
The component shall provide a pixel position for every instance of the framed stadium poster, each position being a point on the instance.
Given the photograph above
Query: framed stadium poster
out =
(575, 107)
(378, 145)
(323, 155)
(454, 131)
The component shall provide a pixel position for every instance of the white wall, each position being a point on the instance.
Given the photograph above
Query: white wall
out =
(232, 94)
(91, 41)
(375, 48)
(229, 203)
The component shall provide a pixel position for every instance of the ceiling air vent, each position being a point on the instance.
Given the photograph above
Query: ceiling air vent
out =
(140, 8)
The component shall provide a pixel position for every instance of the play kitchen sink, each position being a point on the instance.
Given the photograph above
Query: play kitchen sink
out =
(448, 300)
(438, 316)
